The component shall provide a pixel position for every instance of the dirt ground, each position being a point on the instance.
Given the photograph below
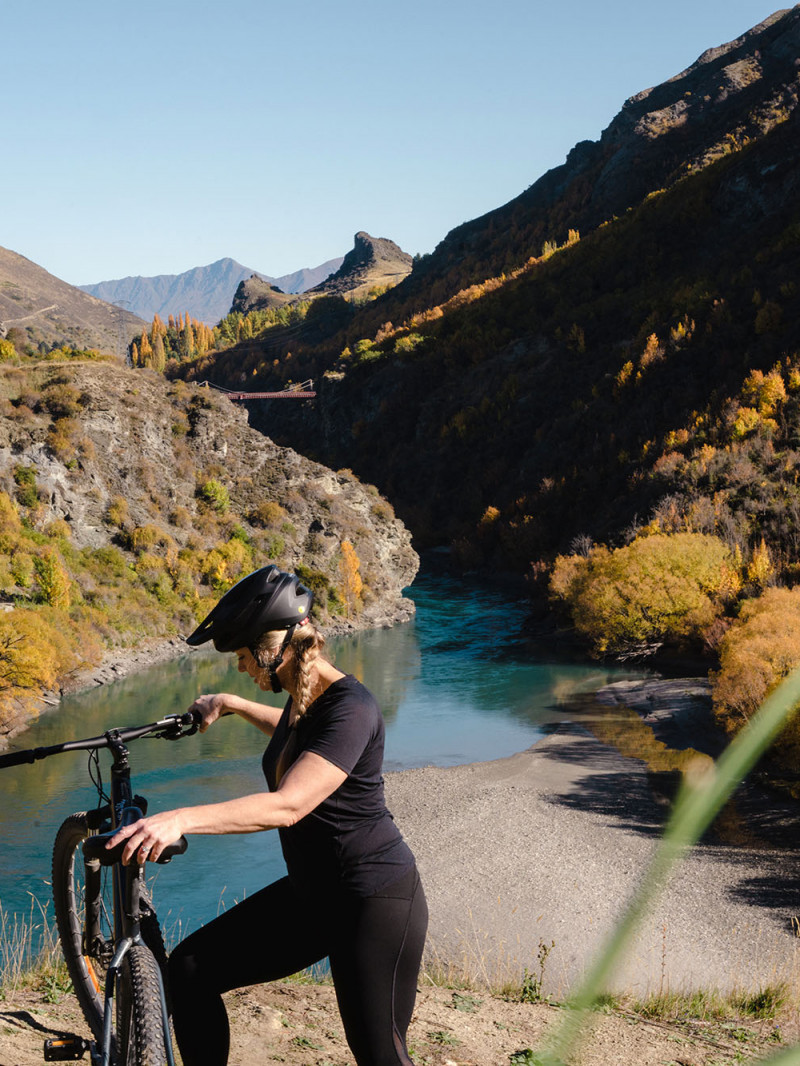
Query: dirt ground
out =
(298, 1024)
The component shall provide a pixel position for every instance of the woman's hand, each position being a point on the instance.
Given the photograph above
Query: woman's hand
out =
(210, 707)
(148, 837)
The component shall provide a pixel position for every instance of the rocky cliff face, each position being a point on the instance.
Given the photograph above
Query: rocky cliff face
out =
(95, 434)
(373, 262)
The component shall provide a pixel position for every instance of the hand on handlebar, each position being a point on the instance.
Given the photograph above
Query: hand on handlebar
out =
(147, 837)
(209, 708)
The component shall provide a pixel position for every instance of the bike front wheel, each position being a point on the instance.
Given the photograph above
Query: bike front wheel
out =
(76, 886)
(140, 1018)
(83, 900)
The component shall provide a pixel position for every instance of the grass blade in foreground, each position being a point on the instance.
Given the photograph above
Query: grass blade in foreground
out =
(700, 800)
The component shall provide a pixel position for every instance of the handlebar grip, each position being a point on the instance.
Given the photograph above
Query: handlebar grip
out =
(16, 758)
(94, 847)
(171, 850)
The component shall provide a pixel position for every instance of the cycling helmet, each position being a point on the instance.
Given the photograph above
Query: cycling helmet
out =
(266, 599)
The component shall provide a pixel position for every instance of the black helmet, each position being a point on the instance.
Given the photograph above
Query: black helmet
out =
(266, 599)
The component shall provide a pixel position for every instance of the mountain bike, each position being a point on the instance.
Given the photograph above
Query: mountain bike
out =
(106, 922)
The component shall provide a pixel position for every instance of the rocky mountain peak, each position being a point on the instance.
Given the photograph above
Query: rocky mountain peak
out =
(372, 262)
(257, 294)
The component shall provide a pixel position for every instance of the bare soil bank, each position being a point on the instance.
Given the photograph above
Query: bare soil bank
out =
(298, 1025)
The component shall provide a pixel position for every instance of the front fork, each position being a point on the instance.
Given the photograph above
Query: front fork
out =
(134, 880)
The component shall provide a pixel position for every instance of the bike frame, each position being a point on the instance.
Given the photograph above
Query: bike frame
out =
(127, 881)
(127, 884)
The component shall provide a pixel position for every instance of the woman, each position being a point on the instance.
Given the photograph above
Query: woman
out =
(352, 892)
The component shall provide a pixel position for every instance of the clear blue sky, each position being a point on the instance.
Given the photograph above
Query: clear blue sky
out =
(150, 137)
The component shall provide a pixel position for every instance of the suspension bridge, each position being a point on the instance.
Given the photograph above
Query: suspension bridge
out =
(303, 391)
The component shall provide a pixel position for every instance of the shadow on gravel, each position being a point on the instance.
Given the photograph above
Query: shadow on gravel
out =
(639, 801)
(775, 887)
(626, 797)
(23, 1019)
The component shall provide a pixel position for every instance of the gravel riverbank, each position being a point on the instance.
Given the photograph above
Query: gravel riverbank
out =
(546, 847)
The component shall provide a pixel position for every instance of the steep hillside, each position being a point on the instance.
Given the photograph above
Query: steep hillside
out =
(732, 94)
(126, 509)
(532, 405)
(553, 396)
(50, 313)
(205, 293)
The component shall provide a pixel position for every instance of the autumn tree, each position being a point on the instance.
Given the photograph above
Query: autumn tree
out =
(658, 589)
(350, 578)
(53, 579)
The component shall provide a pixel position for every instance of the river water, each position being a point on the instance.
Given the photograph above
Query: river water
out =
(457, 684)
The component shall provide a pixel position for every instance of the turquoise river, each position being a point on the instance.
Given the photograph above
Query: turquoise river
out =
(457, 684)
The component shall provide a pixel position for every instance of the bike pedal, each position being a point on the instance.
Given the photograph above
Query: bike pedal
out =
(65, 1049)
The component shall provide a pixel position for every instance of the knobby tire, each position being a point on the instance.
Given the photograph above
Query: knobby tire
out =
(71, 894)
(140, 1029)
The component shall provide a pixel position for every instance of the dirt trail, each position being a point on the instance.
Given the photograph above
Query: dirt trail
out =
(298, 1024)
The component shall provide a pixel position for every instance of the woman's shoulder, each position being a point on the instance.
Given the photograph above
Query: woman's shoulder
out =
(348, 688)
(347, 697)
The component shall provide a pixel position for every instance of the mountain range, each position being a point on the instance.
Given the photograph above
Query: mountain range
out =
(206, 292)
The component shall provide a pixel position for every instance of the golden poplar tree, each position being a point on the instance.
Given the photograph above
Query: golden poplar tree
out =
(351, 583)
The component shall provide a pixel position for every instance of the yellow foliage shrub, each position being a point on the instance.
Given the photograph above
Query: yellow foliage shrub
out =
(10, 520)
(756, 653)
(660, 588)
(117, 512)
(53, 579)
(351, 582)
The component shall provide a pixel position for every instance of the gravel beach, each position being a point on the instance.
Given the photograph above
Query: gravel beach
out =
(546, 847)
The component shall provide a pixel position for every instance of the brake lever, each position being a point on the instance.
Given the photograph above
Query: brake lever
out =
(184, 725)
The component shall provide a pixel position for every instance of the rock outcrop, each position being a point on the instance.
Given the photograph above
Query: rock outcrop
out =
(373, 262)
(256, 294)
(132, 437)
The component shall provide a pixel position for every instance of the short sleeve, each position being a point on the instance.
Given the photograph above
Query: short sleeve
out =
(344, 729)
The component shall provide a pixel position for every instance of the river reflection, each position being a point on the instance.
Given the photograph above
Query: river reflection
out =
(458, 684)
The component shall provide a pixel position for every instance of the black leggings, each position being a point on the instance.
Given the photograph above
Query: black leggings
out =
(375, 949)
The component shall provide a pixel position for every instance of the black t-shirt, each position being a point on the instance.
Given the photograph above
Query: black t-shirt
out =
(349, 842)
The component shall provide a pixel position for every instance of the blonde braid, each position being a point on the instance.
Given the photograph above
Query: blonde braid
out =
(307, 644)
(306, 649)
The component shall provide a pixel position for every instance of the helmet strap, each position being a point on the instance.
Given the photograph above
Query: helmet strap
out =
(275, 662)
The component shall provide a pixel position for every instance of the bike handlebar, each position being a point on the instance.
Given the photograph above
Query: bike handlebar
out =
(171, 727)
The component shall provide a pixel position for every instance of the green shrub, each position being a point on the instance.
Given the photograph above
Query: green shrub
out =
(22, 569)
(27, 491)
(214, 493)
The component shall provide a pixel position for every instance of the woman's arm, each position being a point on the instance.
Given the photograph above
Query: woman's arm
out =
(215, 705)
(309, 781)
